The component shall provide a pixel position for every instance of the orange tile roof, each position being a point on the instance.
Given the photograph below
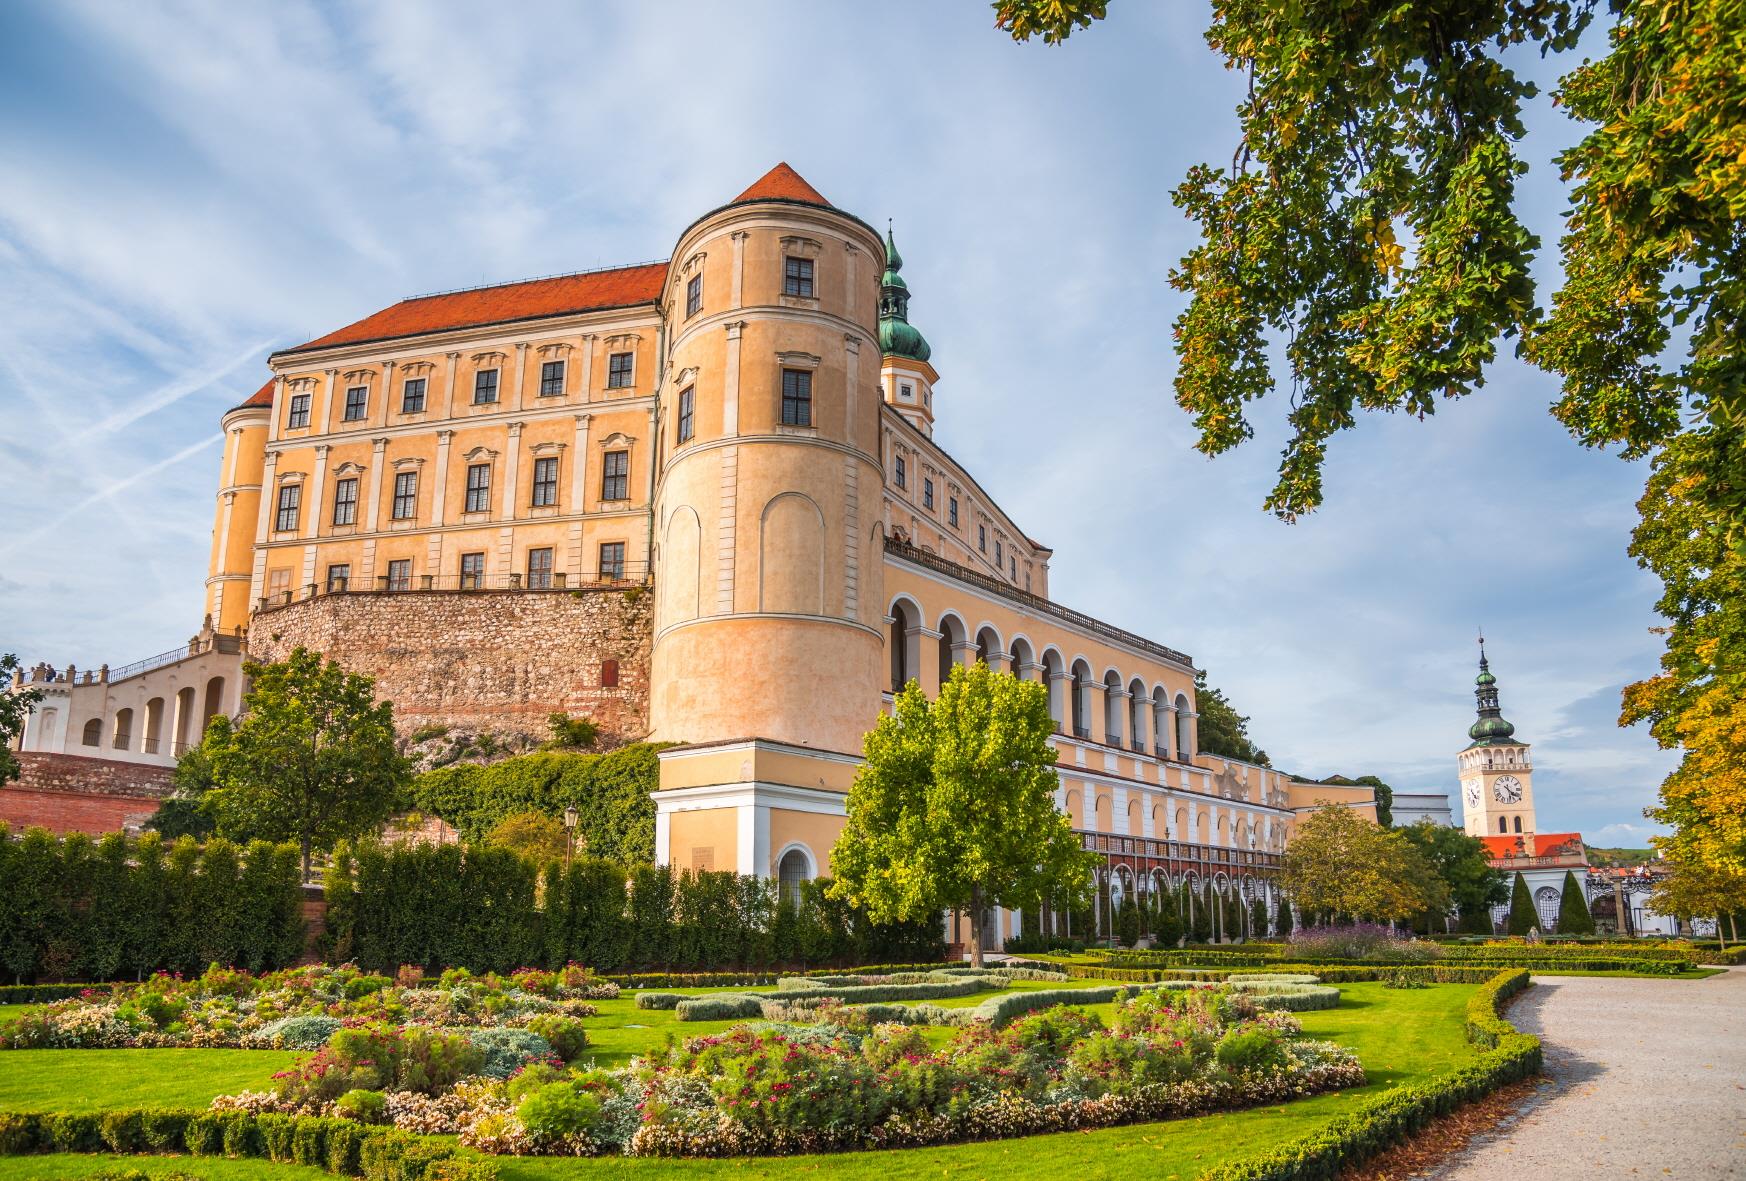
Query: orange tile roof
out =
(262, 396)
(1537, 844)
(782, 183)
(526, 300)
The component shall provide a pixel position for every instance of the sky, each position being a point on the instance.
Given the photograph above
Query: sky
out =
(185, 187)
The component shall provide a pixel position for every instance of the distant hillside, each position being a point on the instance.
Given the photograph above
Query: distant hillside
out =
(1612, 857)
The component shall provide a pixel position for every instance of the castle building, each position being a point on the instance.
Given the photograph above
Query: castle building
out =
(699, 500)
(1497, 795)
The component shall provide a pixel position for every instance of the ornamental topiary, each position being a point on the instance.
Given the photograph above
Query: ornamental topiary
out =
(1573, 916)
(1523, 916)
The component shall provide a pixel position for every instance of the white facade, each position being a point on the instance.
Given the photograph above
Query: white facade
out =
(1412, 807)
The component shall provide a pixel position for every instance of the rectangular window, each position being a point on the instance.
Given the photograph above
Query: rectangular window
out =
(299, 415)
(999, 555)
(279, 583)
(952, 511)
(908, 392)
(484, 387)
(796, 397)
(405, 495)
(412, 396)
(478, 488)
(345, 501)
(290, 500)
(552, 379)
(357, 403)
(472, 571)
(1013, 562)
(539, 568)
(902, 473)
(612, 560)
(615, 476)
(687, 400)
(338, 575)
(694, 296)
(797, 277)
(619, 373)
(400, 574)
(982, 538)
(545, 481)
(927, 493)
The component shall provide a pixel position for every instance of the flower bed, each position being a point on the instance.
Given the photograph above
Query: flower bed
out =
(301, 1008)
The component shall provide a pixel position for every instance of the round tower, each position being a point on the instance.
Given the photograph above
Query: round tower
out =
(769, 591)
(237, 513)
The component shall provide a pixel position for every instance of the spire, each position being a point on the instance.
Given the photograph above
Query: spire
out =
(1490, 727)
(782, 183)
(896, 334)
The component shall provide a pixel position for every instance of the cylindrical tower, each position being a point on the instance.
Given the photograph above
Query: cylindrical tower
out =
(769, 574)
(238, 510)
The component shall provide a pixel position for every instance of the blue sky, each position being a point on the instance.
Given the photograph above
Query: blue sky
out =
(186, 186)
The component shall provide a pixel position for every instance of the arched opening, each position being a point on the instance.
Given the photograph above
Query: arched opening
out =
(1518, 824)
(1160, 722)
(1081, 702)
(1503, 825)
(183, 729)
(154, 725)
(953, 637)
(1112, 707)
(1184, 735)
(792, 872)
(988, 649)
(122, 737)
(1023, 661)
(1135, 823)
(214, 704)
(1074, 816)
(1053, 679)
(93, 735)
(1546, 906)
(1139, 705)
(903, 627)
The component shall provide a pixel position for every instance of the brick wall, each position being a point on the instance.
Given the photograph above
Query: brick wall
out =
(76, 793)
(496, 661)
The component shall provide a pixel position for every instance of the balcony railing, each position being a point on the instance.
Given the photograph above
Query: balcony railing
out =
(626, 577)
(1082, 732)
(1138, 746)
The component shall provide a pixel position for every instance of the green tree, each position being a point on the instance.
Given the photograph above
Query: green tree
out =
(1523, 916)
(1464, 866)
(1258, 918)
(537, 837)
(15, 706)
(1339, 863)
(570, 733)
(1698, 889)
(1221, 730)
(954, 807)
(312, 760)
(1383, 792)
(1367, 221)
(1282, 919)
(1573, 916)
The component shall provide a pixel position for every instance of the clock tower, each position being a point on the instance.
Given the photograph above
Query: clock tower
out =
(1497, 792)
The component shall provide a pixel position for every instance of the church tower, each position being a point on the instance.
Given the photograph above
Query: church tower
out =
(904, 373)
(1497, 792)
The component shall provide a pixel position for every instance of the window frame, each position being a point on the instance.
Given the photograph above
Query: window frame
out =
(357, 404)
(693, 296)
(612, 480)
(799, 277)
(539, 577)
(952, 511)
(492, 386)
(476, 560)
(796, 408)
(927, 493)
(407, 498)
(621, 378)
(477, 492)
(400, 574)
(292, 493)
(553, 386)
(297, 412)
(687, 424)
(345, 496)
(406, 396)
(344, 575)
(982, 538)
(544, 493)
(900, 471)
(617, 563)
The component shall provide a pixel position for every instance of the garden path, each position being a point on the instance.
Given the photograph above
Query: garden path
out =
(1647, 1078)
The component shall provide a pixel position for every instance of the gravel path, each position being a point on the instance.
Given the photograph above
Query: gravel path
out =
(1647, 1079)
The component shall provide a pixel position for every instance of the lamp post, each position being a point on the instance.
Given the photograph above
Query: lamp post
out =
(570, 819)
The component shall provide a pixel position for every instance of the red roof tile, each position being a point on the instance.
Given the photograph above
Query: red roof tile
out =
(1537, 844)
(262, 396)
(526, 300)
(782, 183)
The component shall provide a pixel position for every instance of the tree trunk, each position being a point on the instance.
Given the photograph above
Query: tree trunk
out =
(305, 845)
(975, 926)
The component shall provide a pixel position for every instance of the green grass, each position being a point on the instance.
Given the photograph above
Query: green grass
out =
(10, 1011)
(97, 1080)
(1400, 1035)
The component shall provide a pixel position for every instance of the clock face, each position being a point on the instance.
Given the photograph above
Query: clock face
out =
(1472, 786)
(1507, 789)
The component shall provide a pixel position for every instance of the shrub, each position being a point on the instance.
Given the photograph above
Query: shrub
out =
(565, 1035)
(1250, 1049)
(660, 1000)
(308, 1032)
(504, 1051)
(365, 1107)
(557, 1110)
(722, 1006)
(1359, 941)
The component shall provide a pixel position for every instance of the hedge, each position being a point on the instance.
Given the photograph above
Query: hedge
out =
(339, 1146)
(76, 909)
(1390, 1118)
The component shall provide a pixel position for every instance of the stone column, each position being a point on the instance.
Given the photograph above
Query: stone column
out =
(387, 390)
(327, 399)
(378, 460)
(317, 491)
(449, 386)
(928, 671)
(579, 466)
(852, 370)
(1060, 705)
(730, 378)
(1112, 702)
(512, 471)
(587, 366)
(736, 297)
(440, 493)
(519, 375)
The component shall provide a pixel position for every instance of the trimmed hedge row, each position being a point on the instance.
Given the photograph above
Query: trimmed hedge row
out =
(1390, 1118)
(1328, 974)
(1553, 963)
(41, 994)
(769, 978)
(340, 1146)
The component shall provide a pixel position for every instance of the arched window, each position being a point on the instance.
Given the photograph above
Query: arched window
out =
(791, 872)
(93, 735)
(1112, 707)
(1139, 705)
(988, 649)
(213, 705)
(154, 724)
(1184, 736)
(1546, 906)
(1023, 663)
(1518, 824)
(1503, 824)
(123, 736)
(1051, 673)
(951, 635)
(903, 621)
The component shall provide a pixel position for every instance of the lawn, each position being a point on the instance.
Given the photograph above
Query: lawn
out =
(1400, 1035)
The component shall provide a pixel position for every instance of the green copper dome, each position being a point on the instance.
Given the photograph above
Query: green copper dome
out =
(1491, 727)
(897, 336)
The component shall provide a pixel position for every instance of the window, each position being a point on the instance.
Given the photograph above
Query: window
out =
(357, 402)
(1503, 824)
(908, 391)
(279, 584)
(1012, 564)
(484, 387)
(609, 674)
(615, 476)
(687, 399)
(400, 574)
(694, 296)
(999, 554)
(927, 493)
(797, 277)
(405, 495)
(545, 481)
(290, 501)
(612, 560)
(982, 538)
(412, 396)
(796, 397)
(472, 571)
(539, 568)
(478, 488)
(902, 473)
(791, 875)
(338, 575)
(619, 374)
(299, 415)
(552, 379)
(345, 501)
(952, 511)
